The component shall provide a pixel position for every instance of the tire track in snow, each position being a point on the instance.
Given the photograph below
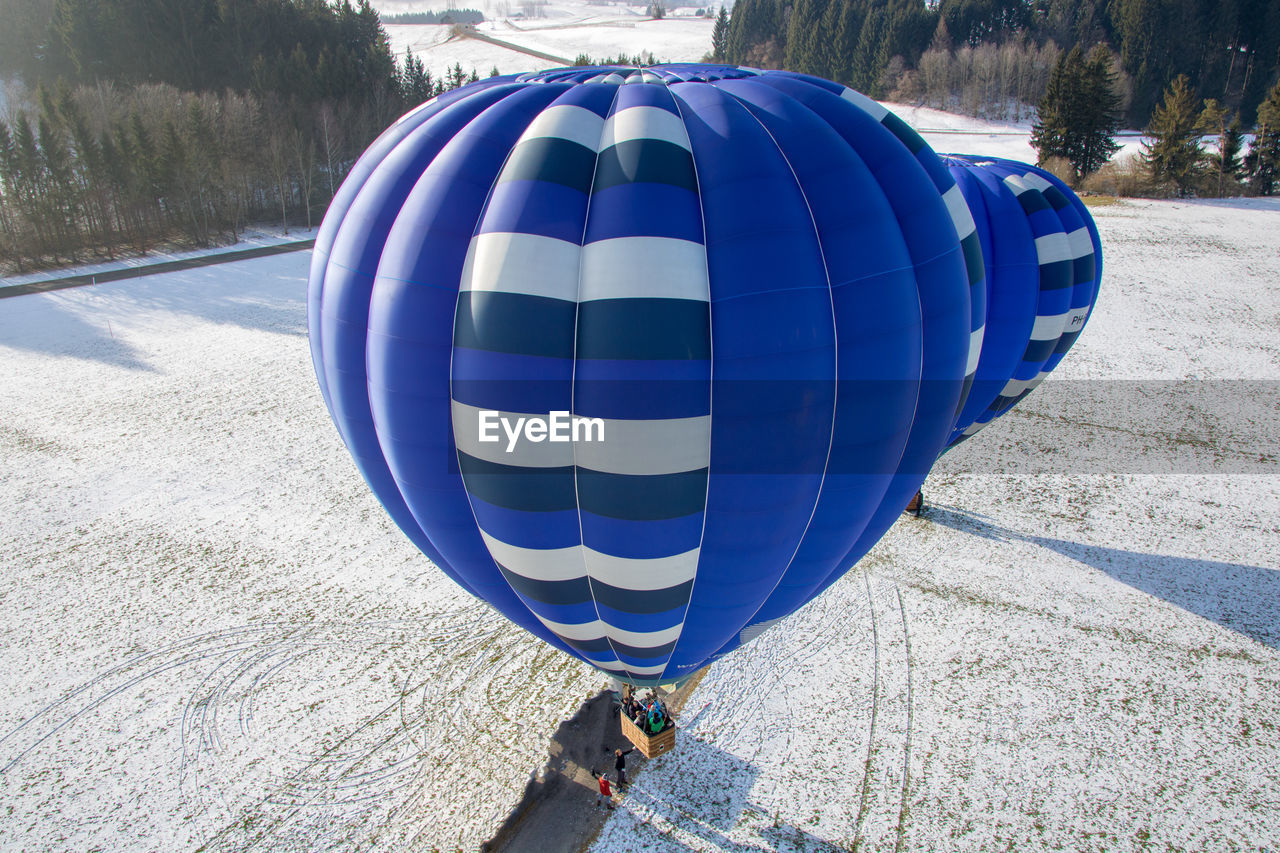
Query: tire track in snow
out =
(906, 747)
(864, 802)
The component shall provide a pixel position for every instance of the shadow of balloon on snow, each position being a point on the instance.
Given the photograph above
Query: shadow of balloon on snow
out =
(1240, 597)
(699, 798)
(51, 329)
(73, 323)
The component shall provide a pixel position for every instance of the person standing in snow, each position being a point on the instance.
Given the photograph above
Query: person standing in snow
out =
(620, 764)
(606, 793)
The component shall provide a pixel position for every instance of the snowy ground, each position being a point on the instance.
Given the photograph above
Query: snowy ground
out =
(958, 134)
(565, 29)
(215, 639)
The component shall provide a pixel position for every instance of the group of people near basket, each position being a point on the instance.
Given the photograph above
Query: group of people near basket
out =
(649, 714)
(620, 766)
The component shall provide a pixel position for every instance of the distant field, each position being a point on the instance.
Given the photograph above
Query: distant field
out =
(566, 30)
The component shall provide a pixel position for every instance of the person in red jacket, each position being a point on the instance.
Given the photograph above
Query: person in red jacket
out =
(606, 792)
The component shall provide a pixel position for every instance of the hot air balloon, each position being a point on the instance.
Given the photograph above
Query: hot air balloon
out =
(1043, 266)
(751, 290)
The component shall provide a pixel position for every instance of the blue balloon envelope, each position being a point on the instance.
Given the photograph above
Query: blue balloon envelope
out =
(646, 358)
(1043, 266)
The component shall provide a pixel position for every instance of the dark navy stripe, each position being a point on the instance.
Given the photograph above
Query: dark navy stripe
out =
(1082, 269)
(600, 644)
(514, 322)
(1000, 404)
(644, 329)
(642, 600)
(1056, 275)
(972, 248)
(551, 159)
(629, 620)
(903, 131)
(639, 497)
(565, 614)
(605, 656)
(1039, 350)
(632, 660)
(576, 591)
(637, 654)
(1055, 198)
(652, 161)
(1032, 202)
(965, 388)
(1065, 342)
(511, 487)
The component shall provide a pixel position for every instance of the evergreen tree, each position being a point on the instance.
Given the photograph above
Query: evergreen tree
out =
(1101, 111)
(1228, 157)
(1263, 160)
(804, 37)
(720, 36)
(1078, 115)
(1224, 163)
(844, 40)
(868, 58)
(1174, 155)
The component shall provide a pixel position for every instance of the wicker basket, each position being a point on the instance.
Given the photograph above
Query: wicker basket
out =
(650, 746)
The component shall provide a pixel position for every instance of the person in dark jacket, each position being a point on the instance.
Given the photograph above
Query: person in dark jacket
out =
(620, 764)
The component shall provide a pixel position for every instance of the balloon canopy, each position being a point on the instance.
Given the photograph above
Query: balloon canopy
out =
(647, 358)
(1043, 265)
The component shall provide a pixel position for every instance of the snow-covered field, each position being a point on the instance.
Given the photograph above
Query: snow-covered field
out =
(564, 29)
(214, 639)
(958, 134)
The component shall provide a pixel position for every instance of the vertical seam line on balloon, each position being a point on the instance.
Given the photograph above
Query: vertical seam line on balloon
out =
(711, 375)
(573, 378)
(484, 208)
(835, 346)
(914, 265)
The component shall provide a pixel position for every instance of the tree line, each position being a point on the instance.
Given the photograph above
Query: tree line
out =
(982, 54)
(160, 121)
(1078, 116)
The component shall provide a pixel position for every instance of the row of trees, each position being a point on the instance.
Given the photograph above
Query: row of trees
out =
(201, 45)
(995, 81)
(1178, 161)
(1080, 112)
(114, 164)
(1228, 49)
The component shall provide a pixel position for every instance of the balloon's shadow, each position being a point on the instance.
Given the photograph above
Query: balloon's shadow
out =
(72, 323)
(707, 794)
(1237, 596)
